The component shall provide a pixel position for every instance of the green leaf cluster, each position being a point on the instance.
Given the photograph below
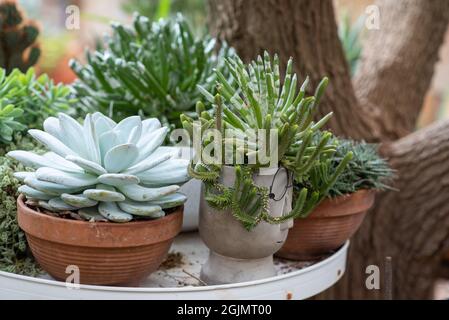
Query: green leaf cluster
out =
(27, 99)
(149, 68)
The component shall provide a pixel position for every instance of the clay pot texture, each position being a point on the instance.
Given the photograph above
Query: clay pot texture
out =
(328, 227)
(106, 253)
(239, 255)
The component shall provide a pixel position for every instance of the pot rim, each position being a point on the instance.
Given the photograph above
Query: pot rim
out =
(344, 205)
(98, 234)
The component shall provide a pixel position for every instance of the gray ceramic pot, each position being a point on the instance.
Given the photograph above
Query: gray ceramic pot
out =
(192, 190)
(238, 255)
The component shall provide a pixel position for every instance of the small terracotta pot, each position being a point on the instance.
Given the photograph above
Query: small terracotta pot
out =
(106, 253)
(328, 227)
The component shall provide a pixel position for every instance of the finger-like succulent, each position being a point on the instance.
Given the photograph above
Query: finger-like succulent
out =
(256, 99)
(103, 170)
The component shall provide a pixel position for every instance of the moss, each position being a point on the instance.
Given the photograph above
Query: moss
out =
(14, 253)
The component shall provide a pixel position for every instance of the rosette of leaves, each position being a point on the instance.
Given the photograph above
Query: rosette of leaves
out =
(366, 170)
(18, 47)
(27, 100)
(255, 99)
(149, 68)
(103, 170)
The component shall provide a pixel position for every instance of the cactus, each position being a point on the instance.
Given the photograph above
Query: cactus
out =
(151, 68)
(18, 36)
(255, 99)
(103, 170)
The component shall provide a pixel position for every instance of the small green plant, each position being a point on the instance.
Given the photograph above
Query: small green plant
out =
(253, 100)
(18, 48)
(366, 170)
(26, 100)
(102, 170)
(8, 124)
(151, 69)
(14, 253)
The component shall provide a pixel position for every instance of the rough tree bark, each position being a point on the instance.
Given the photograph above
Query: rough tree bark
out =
(382, 104)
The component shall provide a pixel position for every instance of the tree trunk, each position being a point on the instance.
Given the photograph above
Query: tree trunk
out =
(411, 226)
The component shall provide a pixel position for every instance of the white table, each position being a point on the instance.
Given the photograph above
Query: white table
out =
(180, 281)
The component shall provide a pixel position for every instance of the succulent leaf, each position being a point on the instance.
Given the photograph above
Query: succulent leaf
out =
(104, 174)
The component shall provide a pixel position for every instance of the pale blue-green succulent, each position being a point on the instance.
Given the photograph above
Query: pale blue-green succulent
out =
(103, 170)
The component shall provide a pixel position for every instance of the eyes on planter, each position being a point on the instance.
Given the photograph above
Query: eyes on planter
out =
(102, 170)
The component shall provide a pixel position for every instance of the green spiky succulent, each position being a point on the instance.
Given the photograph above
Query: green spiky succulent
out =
(103, 170)
(26, 100)
(151, 68)
(253, 100)
(366, 170)
(18, 47)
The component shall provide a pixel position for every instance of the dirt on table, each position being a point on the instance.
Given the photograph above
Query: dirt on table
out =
(174, 260)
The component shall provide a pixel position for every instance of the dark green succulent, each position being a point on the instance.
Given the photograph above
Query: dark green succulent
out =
(8, 124)
(149, 68)
(18, 48)
(366, 170)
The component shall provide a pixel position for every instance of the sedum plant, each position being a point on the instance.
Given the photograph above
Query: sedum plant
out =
(103, 170)
(26, 100)
(14, 253)
(255, 99)
(151, 68)
(18, 48)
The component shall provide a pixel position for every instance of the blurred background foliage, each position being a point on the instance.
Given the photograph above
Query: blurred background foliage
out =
(58, 44)
(194, 10)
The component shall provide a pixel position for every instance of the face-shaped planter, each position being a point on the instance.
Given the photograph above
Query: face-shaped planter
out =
(236, 254)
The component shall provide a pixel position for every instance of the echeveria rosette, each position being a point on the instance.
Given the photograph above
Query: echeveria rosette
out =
(102, 169)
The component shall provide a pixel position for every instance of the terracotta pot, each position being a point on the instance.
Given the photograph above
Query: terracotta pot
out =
(328, 227)
(106, 253)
